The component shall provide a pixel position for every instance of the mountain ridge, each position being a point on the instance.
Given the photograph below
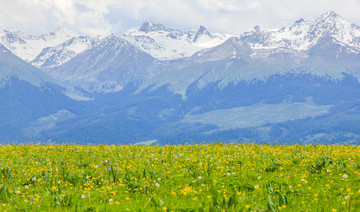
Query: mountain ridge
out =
(297, 83)
(165, 43)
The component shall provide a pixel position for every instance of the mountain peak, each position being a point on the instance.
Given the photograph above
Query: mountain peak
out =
(330, 14)
(148, 26)
(201, 31)
(256, 28)
(202, 28)
(299, 21)
(330, 17)
(331, 23)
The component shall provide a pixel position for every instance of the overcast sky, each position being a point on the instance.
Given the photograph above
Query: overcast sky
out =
(117, 16)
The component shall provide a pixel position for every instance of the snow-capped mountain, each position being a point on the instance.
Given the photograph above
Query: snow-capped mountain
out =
(305, 46)
(56, 55)
(165, 44)
(107, 67)
(326, 47)
(58, 47)
(303, 34)
(298, 83)
(28, 47)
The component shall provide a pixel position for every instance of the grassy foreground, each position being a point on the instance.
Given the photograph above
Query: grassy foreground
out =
(214, 177)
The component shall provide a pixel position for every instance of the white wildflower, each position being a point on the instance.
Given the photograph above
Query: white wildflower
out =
(199, 178)
(110, 200)
(157, 185)
(83, 196)
(347, 197)
(345, 176)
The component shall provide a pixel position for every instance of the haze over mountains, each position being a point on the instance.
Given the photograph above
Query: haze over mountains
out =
(297, 84)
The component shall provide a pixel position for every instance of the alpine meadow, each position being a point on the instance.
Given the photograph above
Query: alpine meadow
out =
(215, 177)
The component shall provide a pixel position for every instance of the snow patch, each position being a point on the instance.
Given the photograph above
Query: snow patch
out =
(28, 47)
(168, 44)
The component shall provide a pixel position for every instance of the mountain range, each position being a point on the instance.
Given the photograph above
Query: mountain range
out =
(297, 84)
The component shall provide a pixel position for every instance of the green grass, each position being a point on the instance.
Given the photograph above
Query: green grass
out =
(216, 177)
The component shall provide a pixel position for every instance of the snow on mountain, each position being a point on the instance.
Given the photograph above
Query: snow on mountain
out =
(109, 64)
(106, 67)
(303, 34)
(27, 47)
(57, 55)
(164, 44)
(325, 47)
(58, 47)
(331, 24)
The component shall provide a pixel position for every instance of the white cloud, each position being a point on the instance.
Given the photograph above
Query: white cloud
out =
(116, 16)
(41, 16)
(229, 5)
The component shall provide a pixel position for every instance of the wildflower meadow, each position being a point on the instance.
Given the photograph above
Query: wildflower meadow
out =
(206, 177)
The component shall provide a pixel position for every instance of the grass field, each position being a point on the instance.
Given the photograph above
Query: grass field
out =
(215, 177)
